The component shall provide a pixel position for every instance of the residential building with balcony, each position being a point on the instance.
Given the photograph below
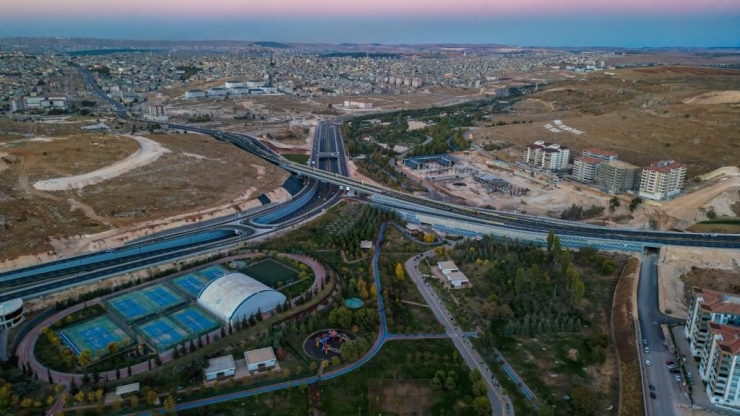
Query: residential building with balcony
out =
(719, 365)
(709, 306)
(617, 176)
(585, 168)
(548, 156)
(662, 179)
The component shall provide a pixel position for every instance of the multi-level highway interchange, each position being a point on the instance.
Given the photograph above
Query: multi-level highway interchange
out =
(326, 180)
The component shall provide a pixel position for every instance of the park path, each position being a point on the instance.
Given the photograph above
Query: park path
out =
(25, 347)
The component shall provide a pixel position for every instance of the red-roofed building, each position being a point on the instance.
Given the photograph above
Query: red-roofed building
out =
(548, 156)
(709, 306)
(719, 365)
(662, 179)
(585, 168)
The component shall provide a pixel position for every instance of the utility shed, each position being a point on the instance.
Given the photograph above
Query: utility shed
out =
(220, 367)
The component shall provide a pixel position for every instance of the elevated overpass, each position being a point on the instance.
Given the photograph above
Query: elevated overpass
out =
(527, 227)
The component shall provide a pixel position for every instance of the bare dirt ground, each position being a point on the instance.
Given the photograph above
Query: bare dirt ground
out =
(641, 115)
(719, 97)
(199, 178)
(148, 152)
(679, 269)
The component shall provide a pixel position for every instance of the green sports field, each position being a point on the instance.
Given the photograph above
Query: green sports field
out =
(270, 272)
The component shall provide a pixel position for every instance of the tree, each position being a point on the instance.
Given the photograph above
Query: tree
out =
(112, 348)
(134, 401)
(400, 273)
(607, 267)
(634, 203)
(169, 405)
(614, 203)
(480, 388)
(116, 404)
(585, 400)
(312, 366)
(429, 238)
(450, 383)
(550, 240)
(151, 397)
(482, 406)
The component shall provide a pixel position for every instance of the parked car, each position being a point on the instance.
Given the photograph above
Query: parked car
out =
(652, 387)
(669, 362)
(647, 362)
(677, 377)
(653, 396)
(644, 341)
(647, 350)
(674, 370)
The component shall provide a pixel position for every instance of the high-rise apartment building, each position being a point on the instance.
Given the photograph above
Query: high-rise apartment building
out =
(548, 156)
(662, 179)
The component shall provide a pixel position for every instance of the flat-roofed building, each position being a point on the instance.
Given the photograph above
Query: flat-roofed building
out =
(220, 367)
(195, 94)
(447, 267)
(617, 176)
(260, 360)
(127, 389)
(457, 279)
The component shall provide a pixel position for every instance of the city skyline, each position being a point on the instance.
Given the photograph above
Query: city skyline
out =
(628, 23)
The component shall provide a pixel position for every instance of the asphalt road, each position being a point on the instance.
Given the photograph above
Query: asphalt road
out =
(669, 392)
(501, 405)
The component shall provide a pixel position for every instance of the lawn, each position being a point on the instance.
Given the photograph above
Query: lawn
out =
(271, 273)
(397, 379)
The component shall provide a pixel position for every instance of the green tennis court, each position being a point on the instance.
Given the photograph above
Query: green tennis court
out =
(270, 272)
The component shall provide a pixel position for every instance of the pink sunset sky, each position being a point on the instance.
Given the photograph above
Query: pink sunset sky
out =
(359, 8)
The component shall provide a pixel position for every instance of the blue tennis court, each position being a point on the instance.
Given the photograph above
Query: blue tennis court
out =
(191, 283)
(145, 302)
(194, 320)
(212, 272)
(94, 335)
(162, 333)
(162, 296)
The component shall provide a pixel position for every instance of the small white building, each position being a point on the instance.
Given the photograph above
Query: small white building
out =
(195, 94)
(366, 244)
(457, 279)
(217, 92)
(447, 267)
(260, 360)
(122, 391)
(220, 367)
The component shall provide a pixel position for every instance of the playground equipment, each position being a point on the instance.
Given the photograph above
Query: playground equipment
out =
(333, 336)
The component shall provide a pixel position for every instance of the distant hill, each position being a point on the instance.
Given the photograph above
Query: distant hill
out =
(276, 45)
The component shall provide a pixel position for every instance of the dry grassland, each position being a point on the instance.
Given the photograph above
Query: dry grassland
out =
(198, 173)
(639, 113)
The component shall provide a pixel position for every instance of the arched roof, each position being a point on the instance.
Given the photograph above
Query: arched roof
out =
(225, 295)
